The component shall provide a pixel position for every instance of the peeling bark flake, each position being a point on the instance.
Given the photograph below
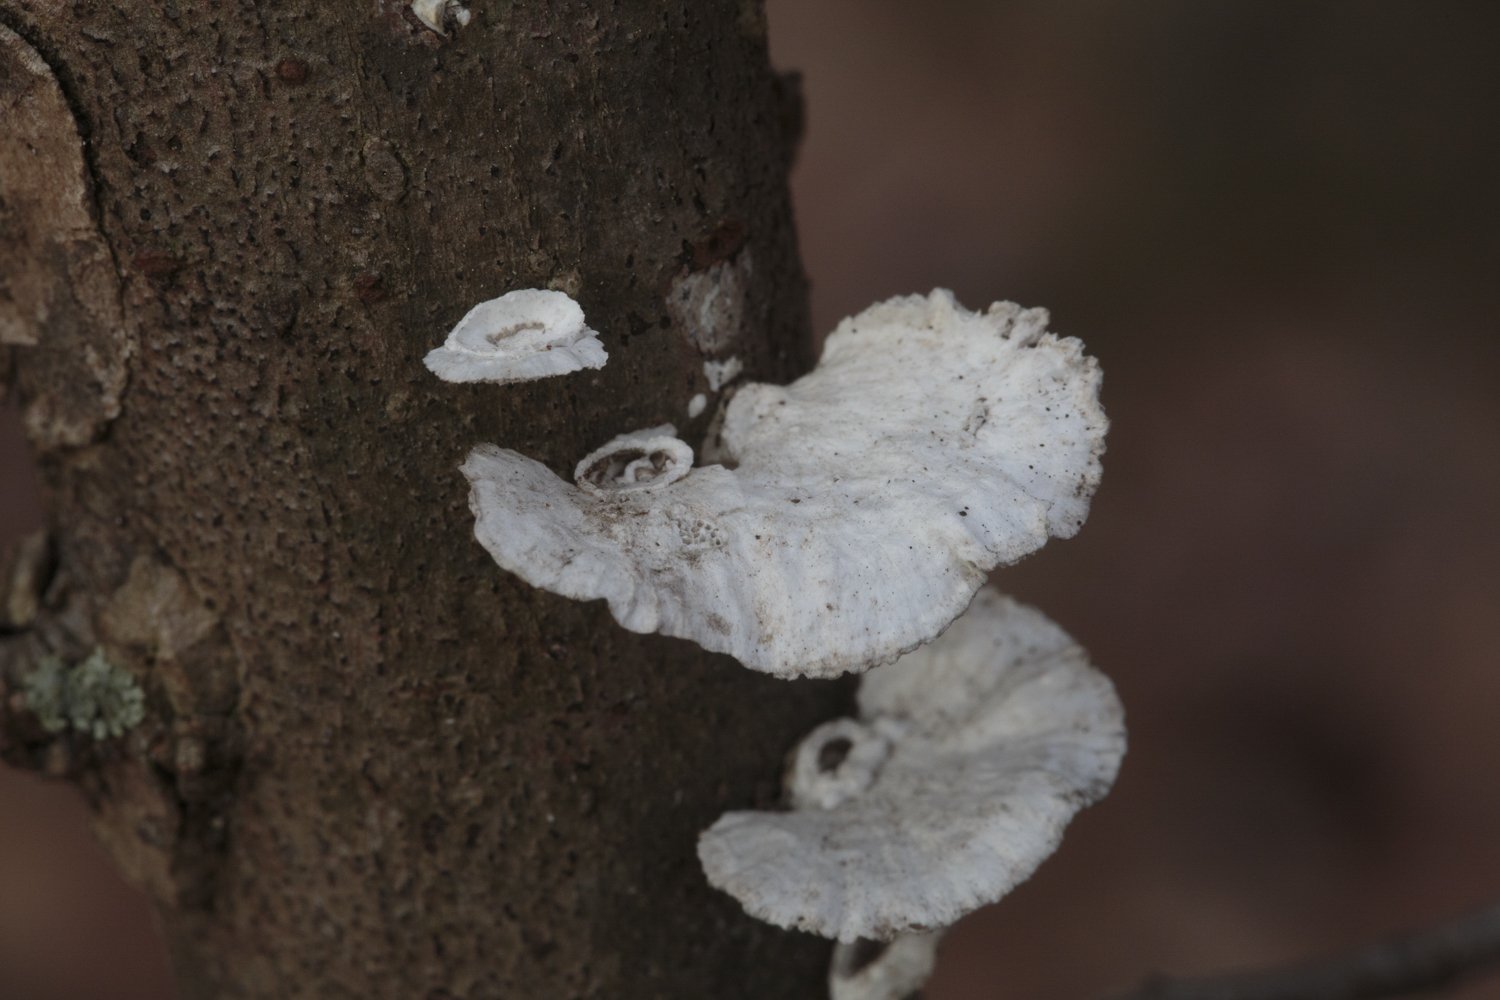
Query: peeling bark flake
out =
(59, 290)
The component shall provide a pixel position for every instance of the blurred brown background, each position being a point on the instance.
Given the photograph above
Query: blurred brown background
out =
(1278, 225)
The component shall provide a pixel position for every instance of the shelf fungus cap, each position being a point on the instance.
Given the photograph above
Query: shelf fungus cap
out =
(859, 508)
(522, 335)
(997, 734)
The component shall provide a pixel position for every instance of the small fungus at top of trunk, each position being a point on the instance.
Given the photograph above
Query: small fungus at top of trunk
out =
(862, 506)
(436, 14)
(526, 334)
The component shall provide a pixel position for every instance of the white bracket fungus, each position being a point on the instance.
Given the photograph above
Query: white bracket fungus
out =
(522, 335)
(969, 758)
(865, 504)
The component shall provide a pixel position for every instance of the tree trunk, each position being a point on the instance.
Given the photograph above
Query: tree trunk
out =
(373, 764)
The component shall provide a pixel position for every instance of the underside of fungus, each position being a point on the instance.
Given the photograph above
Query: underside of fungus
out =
(859, 507)
(522, 335)
(968, 759)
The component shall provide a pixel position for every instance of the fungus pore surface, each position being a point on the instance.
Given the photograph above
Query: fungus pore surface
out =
(859, 509)
(998, 733)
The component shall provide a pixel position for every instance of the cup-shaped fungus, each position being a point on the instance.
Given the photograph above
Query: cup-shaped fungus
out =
(865, 503)
(995, 735)
(522, 335)
(643, 460)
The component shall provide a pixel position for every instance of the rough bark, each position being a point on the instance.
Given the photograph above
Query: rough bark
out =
(373, 764)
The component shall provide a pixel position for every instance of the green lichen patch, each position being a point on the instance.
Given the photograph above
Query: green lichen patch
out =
(94, 697)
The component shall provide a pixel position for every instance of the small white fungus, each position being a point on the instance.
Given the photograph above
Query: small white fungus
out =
(998, 733)
(863, 506)
(632, 463)
(836, 762)
(526, 334)
(434, 13)
(876, 970)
